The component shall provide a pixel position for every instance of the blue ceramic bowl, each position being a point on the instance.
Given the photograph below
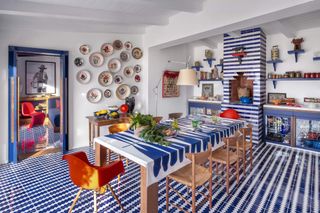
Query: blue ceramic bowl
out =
(246, 100)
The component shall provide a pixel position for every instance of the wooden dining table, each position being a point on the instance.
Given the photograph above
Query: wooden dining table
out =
(157, 161)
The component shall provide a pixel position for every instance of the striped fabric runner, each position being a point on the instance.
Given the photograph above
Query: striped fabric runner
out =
(187, 140)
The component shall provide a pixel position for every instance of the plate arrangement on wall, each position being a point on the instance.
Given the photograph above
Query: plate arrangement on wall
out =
(118, 79)
(96, 59)
(128, 72)
(107, 93)
(105, 78)
(83, 76)
(137, 78)
(94, 95)
(114, 65)
(134, 90)
(123, 91)
(137, 53)
(117, 45)
(124, 56)
(78, 61)
(128, 45)
(137, 68)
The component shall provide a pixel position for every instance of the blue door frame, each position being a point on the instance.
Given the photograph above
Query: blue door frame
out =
(13, 97)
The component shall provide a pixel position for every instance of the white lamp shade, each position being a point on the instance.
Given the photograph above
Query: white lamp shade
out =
(187, 77)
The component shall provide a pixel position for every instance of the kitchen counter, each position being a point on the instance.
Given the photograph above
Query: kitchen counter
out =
(291, 108)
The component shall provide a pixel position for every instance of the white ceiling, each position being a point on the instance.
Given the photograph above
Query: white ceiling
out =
(97, 16)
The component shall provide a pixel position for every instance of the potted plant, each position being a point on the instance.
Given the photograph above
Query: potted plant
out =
(140, 122)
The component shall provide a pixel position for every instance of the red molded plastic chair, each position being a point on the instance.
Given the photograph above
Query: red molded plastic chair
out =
(230, 113)
(90, 177)
(27, 109)
(37, 119)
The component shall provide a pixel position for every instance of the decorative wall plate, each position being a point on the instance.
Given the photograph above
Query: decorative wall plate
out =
(96, 59)
(123, 91)
(117, 45)
(84, 49)
(106, 49)
(128, 45)
(118, 79)
(124, 56)
(107, 93)
(137, 68)
(78, 61)
(134, 90)
(114, 65)
(137, 53)
(137, 78)
(83, 76)
(94, 95)
(105, 78)
(128, 72)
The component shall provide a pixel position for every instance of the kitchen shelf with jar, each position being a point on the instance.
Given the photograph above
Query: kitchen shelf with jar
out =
(293, 126)
(296, 53)
(295, 76)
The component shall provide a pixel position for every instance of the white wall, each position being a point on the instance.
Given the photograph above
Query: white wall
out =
(296, 89)
(158, 61)
(21, 71)
(79, 107)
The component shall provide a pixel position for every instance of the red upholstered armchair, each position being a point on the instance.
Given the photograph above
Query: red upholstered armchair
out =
(37, 119)
(27, 109)
(90, 177)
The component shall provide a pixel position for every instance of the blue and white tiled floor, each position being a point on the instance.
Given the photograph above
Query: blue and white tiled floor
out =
(283, 180)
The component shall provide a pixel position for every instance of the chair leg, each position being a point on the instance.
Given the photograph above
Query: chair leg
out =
(127, 162)
(210, 193)
(75, 200)
(119, 178)
(238, 172)
(167, 193)
(227, 178)
(95, 201)
(244, 163)
(115, 196)
(217, 169)
(251, 158)
(193, 199)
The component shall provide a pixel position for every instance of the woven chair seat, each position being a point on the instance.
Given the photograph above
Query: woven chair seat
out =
(233, 145)
(184, 175)
(220, 156)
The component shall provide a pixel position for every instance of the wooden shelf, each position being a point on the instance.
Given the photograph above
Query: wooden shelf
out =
(274, 81)
(295, 53)
(211, 80)
(209, 60)
(197, 67)
(274, 62)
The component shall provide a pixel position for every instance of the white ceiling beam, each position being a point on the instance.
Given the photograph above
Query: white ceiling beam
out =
(235, 34)
(13, 7)
(178, 5)
(209, 43)
(285, 29)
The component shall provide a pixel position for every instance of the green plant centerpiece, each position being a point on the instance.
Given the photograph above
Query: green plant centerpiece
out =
(146, 128)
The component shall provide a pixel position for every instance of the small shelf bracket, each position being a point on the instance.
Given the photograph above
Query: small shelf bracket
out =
(296, 53)
(209, 60)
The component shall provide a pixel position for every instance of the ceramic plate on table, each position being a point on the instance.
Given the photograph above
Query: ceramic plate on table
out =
(84, 49)
(94, 95)
(78, 61)
(114, 65)
(83, 76)
(105, 78)
(137, 53)
(128, 72)
(137, 68)
(137, 78)
(117, 45)
(128, 45)
(123, 91)
(134, 90)
(96, 59)
(107, 93)
(107, 49)
(124, 56)
(118, 79)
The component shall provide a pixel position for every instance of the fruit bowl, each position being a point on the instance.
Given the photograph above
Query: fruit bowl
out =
(113, 108)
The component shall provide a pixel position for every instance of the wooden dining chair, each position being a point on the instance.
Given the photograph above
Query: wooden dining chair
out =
(157, 119)
(226, 156)
(175, 115)
(193, 175)
(116, 128)
(245, 145)
(87, 176)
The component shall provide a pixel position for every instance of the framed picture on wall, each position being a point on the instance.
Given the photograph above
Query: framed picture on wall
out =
(40, 77)
(276, 96)
(207, 90)
(169, 84)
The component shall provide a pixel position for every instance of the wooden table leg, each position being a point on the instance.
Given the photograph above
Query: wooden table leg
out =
(149, 194)
(98, 131)
(100, 157)
(90, 139)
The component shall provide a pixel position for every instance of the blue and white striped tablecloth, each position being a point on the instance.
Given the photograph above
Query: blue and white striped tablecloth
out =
(163, 160)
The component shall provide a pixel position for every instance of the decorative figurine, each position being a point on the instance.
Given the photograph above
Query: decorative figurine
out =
(275, 53)
(297, 43)
(197, 63)
(130, 101)
(215, 73)
(208, 54)
(239, 53)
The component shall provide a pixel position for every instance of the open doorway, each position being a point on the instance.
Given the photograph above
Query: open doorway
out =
(38, 102)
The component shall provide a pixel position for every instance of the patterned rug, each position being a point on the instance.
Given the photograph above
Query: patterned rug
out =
(282, 180)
